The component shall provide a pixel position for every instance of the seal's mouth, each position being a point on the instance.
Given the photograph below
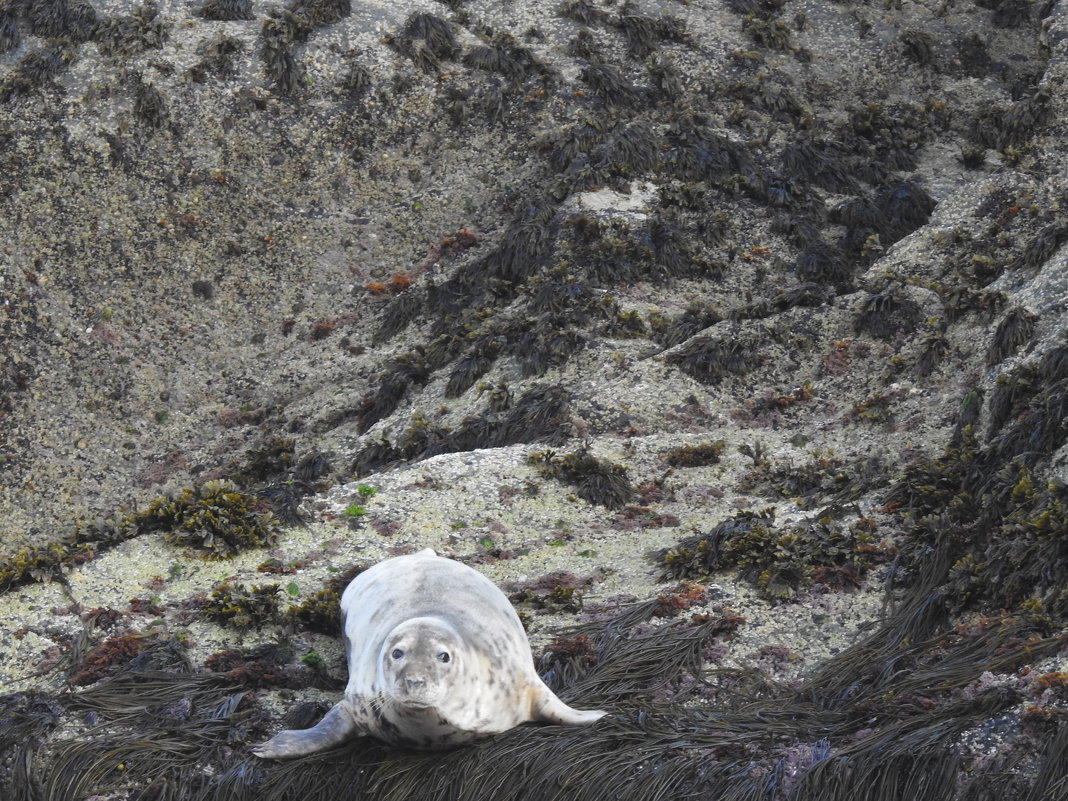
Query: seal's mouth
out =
(421, 697)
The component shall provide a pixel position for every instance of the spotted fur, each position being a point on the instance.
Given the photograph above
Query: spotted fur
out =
(437, 657)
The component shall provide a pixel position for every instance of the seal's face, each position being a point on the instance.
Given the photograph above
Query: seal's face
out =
(419, 661)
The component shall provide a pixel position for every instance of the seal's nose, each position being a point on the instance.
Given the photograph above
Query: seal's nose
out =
(414, 683)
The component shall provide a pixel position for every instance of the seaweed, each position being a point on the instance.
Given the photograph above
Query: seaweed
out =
(698, 153)
(400, 374)
(583, 11)
(226, 10)
(471, 368)
(539, 415)
(887, 315)
(710, 359)
(269, 460)
(1011, 13)
(932, 350)
(823, 478)
(398, 314)
(821, 163)
(596, 480)
(71, 20)
(764, 9)
(215, 518)
(149, 106)
(767, 33)
(10, 37)
(694, 455)
(820, 263)
(1041, 248)
(666, 79)
(375, 457)
(33, 71)
(547, 342)
(504, 55)
(106, 657)
(217, 57)
(643, 33)
(1002, 128)
(608, 83)
(905, 206)
(322, 12)
(1014, 331)
(777, 561)
(358, 80)
(280, 32)
(130, 35)
(426, 38)
(919, 46)
(233, 604)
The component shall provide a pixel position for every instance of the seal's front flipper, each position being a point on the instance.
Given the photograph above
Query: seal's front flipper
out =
(550, 709)
(336, 726)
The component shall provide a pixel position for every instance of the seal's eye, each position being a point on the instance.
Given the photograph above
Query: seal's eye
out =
(397, 653)
(444, 656)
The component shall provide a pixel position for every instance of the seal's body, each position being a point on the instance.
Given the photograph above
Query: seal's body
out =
(437, 656)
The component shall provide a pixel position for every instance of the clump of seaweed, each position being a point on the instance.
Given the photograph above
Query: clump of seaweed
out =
(584, 12)
(1040, 249)
(34, 71)
(678, 599)
(767, 33)
(777, 561)
(820, 263)
(694, 455)
(503, 54)
(322, 12)
(268, 460)
(280, 32)
(1013, 332)
(539, 415)
(215, 518)
(426, 39)
(129, 35)
(824, 476)
(1003, 128)
(555, 600)
(710, 358)
(931, 351)
(240, 607)
(887, 314)
(226, 10)
(265, 666)
(596, 480)
(400, 374)
(644, 32)
(320, 611)
(919, 46)
(608, 83)
(106, 657)
(10, 37)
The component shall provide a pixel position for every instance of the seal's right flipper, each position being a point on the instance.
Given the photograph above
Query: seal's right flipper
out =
(336, 726)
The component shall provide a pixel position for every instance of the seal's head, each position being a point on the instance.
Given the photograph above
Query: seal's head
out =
(420, 661)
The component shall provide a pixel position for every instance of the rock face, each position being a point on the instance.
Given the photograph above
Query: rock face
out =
(768, 298)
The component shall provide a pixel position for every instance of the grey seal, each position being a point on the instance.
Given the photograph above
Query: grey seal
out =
(437, 657)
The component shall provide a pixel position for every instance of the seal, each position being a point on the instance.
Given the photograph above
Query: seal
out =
(437, 657)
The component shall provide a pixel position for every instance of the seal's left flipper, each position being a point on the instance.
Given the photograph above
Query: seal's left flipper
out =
(336, 726)
(546, 707)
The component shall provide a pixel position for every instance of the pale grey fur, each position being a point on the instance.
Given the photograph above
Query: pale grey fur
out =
(437, 656)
